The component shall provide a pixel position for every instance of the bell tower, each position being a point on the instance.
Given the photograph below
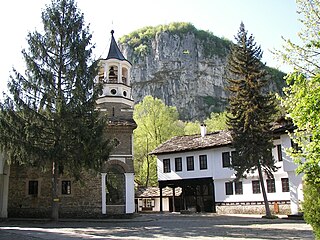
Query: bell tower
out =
(116, 100)
(114, 72)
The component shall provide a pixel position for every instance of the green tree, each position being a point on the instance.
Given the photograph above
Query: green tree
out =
(251, 111)
(49, 118)
(216, 121)
(191, 128)
(156, 123)
(302, 102)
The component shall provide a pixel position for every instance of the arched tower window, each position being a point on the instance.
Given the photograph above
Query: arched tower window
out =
(125, 75)
(113, 74)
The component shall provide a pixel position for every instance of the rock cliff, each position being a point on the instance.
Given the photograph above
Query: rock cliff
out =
(183, 66)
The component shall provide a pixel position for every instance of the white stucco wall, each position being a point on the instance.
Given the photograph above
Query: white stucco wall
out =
(4, 186)
(248, 195)
(130, 207)
(184, 174)
(156, 208)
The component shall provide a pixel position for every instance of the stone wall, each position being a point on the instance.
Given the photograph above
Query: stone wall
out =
(84, 200)
(116, 209)
(124, 135)
(282, 208)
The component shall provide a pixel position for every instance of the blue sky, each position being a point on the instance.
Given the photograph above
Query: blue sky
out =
(267, 20)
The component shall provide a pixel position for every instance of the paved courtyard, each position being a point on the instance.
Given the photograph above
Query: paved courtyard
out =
(159, 226)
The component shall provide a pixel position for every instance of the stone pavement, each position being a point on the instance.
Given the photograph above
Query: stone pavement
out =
(159, 226)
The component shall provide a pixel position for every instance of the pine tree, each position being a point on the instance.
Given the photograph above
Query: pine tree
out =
(49, 118)
(251, 110)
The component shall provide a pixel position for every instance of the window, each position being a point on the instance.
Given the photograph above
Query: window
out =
(229, 188)
(203, 162)
(295, 146)
(226, 159)
(271, 186)
(113, 74)
(256, 187)
(66, 187)
(33, 188)
(285, 184)
(279, 151)
(148, 203)
(233, 156)
(190, 163)
(238, 188)
(178, 164)
(166, 165)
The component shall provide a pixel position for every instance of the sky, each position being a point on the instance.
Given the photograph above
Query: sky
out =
(267, 20)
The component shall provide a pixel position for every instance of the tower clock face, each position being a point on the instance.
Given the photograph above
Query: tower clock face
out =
(113, 91)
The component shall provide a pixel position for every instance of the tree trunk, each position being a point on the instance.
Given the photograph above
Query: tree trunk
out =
(148, 171)
(263, 189)
(55, 198)
(148, 164)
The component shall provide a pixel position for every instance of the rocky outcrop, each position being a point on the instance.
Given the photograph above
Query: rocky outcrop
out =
(181, 65)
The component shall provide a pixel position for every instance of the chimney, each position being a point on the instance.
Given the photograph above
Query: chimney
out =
(203, 129)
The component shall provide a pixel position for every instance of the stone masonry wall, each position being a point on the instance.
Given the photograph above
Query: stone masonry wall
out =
(84, 200)
(253, 209)
(124, 136)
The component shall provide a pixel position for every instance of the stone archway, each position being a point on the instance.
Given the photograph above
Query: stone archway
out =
(117, 188)
(109, 164)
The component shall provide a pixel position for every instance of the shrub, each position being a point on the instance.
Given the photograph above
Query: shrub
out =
(311, 206)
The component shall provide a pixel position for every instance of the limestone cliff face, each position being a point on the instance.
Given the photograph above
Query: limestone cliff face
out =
(184, 68)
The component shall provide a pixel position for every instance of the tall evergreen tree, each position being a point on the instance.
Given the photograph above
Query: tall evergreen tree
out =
(49, 118)
(251, 111)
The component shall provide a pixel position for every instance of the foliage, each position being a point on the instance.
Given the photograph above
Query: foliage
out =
(156, 124)
(216, 122)
(251, 111)
(215, 104)
(212, 44)
(191, 128)
(311, 206)
(304, 57)
(141, 39)
(277, 77)
(302, 102)
(49, 118)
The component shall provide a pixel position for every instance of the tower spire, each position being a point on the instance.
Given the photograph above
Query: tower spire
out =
(114, 51)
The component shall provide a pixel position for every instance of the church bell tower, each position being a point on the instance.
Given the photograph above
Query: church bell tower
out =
(116, 100)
